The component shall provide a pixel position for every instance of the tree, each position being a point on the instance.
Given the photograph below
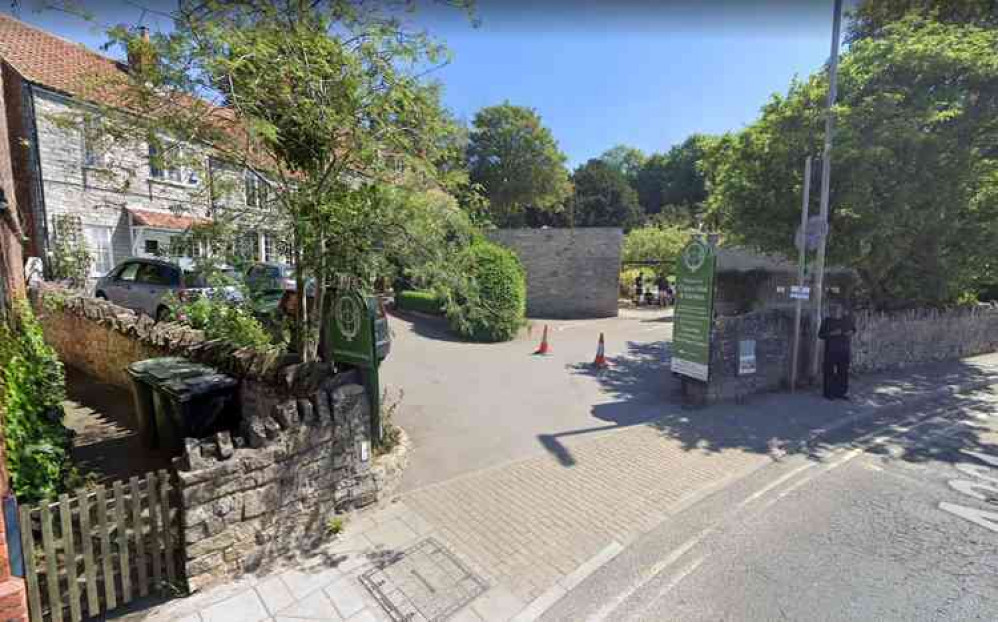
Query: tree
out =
(324, 100)
(517, 162)
(870, 17)
(673, 184)
(661, 244)
(603, 198)
(914, 196)
(625, 160)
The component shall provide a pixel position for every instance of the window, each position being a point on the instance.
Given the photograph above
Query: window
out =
(151, 247)
(98, 242)
(257, 190)
(128, 272)
(173, 164)
(274, 250)
(95, 147)
(155, 274)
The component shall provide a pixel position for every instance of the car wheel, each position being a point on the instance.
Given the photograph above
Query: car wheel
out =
(101, 295)
(163, 314)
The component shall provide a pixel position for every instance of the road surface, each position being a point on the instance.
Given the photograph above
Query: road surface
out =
(879, 522)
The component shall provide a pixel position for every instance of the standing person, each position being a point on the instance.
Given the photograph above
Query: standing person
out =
(638, 287)
(837, 331)
(662, 284)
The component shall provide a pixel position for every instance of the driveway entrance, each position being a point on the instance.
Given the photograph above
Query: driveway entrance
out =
(471, 406)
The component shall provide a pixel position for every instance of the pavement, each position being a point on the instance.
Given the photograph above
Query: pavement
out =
(531, 529)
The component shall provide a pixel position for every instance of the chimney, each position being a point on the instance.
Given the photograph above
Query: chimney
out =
(140, 52)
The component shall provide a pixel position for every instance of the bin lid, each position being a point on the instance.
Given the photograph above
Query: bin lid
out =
(180, 377)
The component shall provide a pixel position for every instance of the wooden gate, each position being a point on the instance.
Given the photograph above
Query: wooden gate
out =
(88, 554)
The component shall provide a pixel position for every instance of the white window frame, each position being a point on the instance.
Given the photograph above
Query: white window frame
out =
(256, 190)
(99, 249)
(182, 174)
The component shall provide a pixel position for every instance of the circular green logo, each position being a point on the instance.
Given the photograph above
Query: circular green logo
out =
(348, 316)
(694, 255)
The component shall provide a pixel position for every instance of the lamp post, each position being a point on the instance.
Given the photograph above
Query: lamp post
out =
(826, 173)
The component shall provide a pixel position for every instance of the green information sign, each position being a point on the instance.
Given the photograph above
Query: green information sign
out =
(351, 331)
(694, 311)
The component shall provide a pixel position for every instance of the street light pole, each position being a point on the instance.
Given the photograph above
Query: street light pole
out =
(800, 271)
(826, 173)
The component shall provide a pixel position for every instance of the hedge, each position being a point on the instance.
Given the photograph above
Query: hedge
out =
(489, 302)
(419, 300)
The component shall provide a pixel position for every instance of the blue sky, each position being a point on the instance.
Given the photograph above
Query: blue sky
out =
(641, 73)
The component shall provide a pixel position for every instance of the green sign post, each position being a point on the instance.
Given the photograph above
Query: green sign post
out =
(353, 340)
(694, 311)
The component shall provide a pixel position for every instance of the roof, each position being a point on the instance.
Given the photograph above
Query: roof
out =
(741, 259)
(51, 61)
(164, 220)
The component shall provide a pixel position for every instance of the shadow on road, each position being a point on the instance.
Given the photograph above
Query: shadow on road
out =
(427, 326)
(780, 423)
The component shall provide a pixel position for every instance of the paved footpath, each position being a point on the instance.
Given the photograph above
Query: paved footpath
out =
(508, 542)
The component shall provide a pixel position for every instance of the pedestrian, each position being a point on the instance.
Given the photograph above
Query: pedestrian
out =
(837, 331)
(639, 287)
(662, 284)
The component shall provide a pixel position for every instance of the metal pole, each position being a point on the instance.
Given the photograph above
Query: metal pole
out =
(800, 271)
(826, 172)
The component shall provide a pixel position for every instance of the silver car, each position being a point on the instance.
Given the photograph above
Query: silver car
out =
(143, 285)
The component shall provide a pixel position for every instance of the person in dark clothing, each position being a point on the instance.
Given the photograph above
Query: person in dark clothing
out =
(837, 331)
(639, 287)
(662, 284)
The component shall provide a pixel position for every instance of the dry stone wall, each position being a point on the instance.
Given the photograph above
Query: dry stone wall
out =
(571, 273)
(302, 452)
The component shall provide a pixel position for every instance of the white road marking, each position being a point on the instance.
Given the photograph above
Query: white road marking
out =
(552, 595)
(985, 458)
(978, 470)
(968, 488)
(668, 587)
(762, 491)
(988, 520)
(648, 576)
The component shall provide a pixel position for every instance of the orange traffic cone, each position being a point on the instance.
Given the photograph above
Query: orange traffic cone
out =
(544, 348)
(600, 362)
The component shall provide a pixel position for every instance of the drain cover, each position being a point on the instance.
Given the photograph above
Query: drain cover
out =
(425, 583)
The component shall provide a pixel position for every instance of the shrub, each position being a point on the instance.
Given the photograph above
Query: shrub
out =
(487, 298)
(419, 300)
(32, 388)
(222, 319)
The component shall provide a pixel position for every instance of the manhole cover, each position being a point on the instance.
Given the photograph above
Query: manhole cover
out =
(426, 583)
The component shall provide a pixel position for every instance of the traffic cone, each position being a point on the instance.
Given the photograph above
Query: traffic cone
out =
(600, 362)
(544, 348)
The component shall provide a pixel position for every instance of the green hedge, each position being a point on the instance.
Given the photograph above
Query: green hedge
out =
(419, 300)
(488, 302)
(32, 387)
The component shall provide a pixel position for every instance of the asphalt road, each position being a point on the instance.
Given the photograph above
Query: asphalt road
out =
(470, 406)
(876, 523)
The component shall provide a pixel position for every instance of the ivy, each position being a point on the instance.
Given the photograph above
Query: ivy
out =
(32, 388)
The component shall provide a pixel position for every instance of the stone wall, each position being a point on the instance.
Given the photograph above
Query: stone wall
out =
(571, 273)
(265, 496)
(302, 454)
(895, 340)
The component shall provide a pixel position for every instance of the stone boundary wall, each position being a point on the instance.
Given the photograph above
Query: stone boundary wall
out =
(571, 273)
(895, 340)
(302, 452)
(883, 341)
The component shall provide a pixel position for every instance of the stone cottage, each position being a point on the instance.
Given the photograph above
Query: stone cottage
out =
(69, 181)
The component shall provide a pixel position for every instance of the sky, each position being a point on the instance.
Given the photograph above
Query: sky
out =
(599, 73)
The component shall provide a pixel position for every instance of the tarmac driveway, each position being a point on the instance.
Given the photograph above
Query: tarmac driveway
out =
(469, 406)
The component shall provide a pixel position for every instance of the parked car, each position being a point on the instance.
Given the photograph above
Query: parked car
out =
(143, 285)
(264, 278)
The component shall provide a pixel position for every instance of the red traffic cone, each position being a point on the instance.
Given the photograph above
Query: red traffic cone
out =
(544, 348)
(600, 361)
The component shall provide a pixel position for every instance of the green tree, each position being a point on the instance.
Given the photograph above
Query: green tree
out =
(625, 160)
(870, 17)
(325, 99)
(603, 198)
(517, 162)
(914, 196)
(661, 244)
(673, 184)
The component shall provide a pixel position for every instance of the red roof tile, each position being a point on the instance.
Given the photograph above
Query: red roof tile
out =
(51, 61)
(164, 220)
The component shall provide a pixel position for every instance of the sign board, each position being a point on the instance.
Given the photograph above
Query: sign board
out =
(694, 313)
(746, 357)
(350, 331)
(800, 292)
(815, 229)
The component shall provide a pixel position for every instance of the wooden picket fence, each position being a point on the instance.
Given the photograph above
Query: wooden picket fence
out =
(101, 549)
